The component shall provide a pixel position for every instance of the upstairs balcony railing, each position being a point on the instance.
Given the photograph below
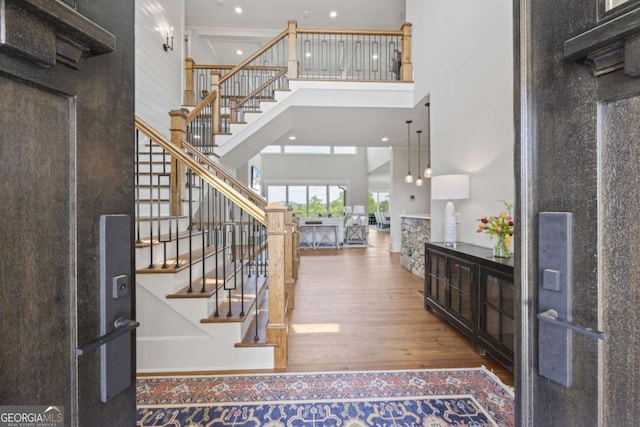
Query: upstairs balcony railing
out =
(294, 54)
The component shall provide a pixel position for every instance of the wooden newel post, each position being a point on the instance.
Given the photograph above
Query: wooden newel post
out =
(288, 259)
(292, 70)
(189, 94)
(178, 134)
(215, 108)
(406, 68)
(277, 323)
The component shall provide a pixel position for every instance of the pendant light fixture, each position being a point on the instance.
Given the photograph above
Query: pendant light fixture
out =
(409, 178)
(419, 179)
(427, 171)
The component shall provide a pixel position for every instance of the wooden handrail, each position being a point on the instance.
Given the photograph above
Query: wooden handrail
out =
(229, 67)
(201, 105)
(350, 32)
(220, 171)
(253, 56)
(282, 72)
(200, 170)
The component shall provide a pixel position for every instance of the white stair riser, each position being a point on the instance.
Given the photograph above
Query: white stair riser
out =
(172, 283)
(154, 167)
(143, 225)
(143, 255)
(157, 157)
(145, 209)
(146, 193)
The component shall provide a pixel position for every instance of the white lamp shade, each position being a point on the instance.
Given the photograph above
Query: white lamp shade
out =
(446, 187)
(347, 210)
(358, 209)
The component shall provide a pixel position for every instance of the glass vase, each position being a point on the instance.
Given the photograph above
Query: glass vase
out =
(501, 250)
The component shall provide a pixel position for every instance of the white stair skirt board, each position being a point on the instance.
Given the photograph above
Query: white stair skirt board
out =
(188, 354)
(172, 339)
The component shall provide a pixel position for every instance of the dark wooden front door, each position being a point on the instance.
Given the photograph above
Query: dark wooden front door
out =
(579, 153)
(66, 159)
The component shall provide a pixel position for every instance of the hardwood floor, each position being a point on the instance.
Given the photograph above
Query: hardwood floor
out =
(358, 309)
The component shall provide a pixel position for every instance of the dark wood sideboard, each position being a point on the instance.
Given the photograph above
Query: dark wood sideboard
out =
(474, 292)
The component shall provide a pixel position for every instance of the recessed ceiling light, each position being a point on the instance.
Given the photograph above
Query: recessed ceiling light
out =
(333, 14)
(239, 52)
(196, 136)
(384, 139)
(238, 10)
(308, 54)
(292, 138)
(375, 56)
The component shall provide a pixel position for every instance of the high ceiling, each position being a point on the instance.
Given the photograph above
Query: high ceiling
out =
(220, 32)
(270, 14)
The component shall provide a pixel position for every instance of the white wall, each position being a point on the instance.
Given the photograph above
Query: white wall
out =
(308, 169)
(158, 73)
(463, 58)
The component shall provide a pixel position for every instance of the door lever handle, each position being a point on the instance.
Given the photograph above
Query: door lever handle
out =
(122, 327)
(551, 316)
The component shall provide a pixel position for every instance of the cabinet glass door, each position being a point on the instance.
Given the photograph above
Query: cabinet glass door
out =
(498, 309)
(437, 278)
(460, 284)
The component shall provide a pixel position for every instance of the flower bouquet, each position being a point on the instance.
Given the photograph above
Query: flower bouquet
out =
(500, 226)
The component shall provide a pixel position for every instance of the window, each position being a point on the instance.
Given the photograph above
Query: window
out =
(297, 199)
(272, 149)
(309, 201)
(307, 149)
(344, 150)
(379, 202)
(277, 194)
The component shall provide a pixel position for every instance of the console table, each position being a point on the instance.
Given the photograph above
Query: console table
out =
(355, 234)
(474, 292)
(316, 235)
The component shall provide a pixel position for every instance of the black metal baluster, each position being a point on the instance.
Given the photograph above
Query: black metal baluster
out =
(138, 215)
(190, 202)
(160, 239)
(217, 248)
(242, 266)
(176, 197)
(204, 258)
(151, 265)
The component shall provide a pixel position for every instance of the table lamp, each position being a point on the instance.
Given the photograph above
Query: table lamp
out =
(450, 187)
(359, 210)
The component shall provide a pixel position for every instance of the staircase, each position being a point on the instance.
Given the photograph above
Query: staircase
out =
(201, 276)
(204, 240)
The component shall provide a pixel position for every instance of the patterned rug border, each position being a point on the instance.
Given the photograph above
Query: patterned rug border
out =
(301, 401)
(240, 374)
(192, 391)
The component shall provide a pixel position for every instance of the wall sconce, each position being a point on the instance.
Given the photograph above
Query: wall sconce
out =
(168, 45)
(450, 187)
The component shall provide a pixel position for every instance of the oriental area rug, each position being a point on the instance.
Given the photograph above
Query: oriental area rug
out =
(421, 398)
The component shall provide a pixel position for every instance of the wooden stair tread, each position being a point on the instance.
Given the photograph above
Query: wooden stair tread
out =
(184, 262)
(144, 243)
(263, 316)
(214, 282)
(236, 301)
